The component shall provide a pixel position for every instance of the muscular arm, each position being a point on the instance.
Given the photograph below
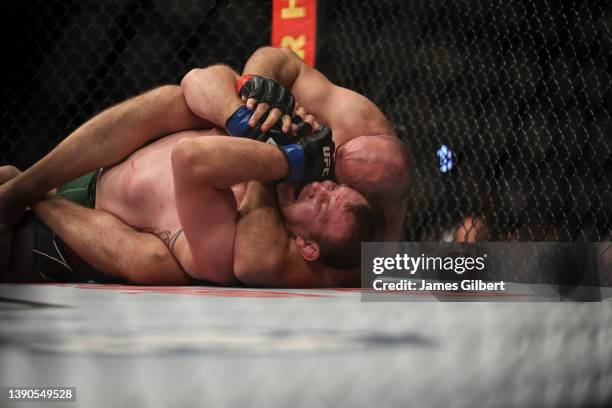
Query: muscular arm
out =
(263, 250)
(204, 169)
(110, 246)
(102, 141)
(348, 113)
(264, 254)
(374, 162)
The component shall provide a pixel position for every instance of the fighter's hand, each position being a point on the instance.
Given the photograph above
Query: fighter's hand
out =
(268, 100)
(302, 124)
(319, 152)
(11, 209)
(311, 158)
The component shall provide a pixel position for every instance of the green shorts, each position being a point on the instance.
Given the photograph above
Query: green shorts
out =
(81, 190)
(53, 259)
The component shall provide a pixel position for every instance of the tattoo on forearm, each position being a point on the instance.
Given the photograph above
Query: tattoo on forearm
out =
(167, 238)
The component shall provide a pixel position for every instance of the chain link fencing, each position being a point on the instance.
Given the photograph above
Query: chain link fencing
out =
(76, 58)
(517, 91)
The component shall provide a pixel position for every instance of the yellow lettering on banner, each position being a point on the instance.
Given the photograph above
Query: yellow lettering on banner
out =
(292, 11)
(296, 44)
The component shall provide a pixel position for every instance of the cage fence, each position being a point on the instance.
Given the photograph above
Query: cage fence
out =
(517, 92)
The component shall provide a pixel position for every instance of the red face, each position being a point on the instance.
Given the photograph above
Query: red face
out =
(319, 209)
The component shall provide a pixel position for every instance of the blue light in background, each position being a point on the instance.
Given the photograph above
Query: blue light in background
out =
(446, 158)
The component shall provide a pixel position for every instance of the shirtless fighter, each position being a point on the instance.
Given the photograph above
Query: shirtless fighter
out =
(182, 184)
(369, 157)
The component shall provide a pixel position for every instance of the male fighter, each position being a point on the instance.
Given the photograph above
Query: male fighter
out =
(182, 183)
(375, 162)
(369, 156)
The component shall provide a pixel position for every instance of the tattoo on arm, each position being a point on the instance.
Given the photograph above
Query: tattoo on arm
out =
(173, 240)
(167, 238)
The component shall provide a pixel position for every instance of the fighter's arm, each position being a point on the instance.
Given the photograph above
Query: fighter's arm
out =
(264, 254)
(110, 246)
(204, 170)
(102, 141)
(211, 92)
(346, 112)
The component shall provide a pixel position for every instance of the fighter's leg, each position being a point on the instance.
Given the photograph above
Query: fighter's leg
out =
(109, 245)
(7, 173)
(102, 141)
(6, 237)
(123, 252)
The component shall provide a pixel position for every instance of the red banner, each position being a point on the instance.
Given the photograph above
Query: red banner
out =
(294, 25)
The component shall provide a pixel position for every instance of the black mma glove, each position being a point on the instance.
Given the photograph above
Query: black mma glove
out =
(268, 91)
(311, 158)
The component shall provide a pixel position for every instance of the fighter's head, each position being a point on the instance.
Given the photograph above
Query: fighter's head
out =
(329, 221)
(378, 166)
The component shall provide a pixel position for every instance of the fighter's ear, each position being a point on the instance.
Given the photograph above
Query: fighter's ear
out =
(309, 249)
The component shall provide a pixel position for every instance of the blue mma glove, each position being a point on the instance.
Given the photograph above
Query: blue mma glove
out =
(311, 158)
(238, 125)
(264, 90)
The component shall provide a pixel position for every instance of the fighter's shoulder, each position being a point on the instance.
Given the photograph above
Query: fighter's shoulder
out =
(359, 115)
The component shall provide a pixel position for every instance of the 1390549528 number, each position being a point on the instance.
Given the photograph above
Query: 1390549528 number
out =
(40, 393)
